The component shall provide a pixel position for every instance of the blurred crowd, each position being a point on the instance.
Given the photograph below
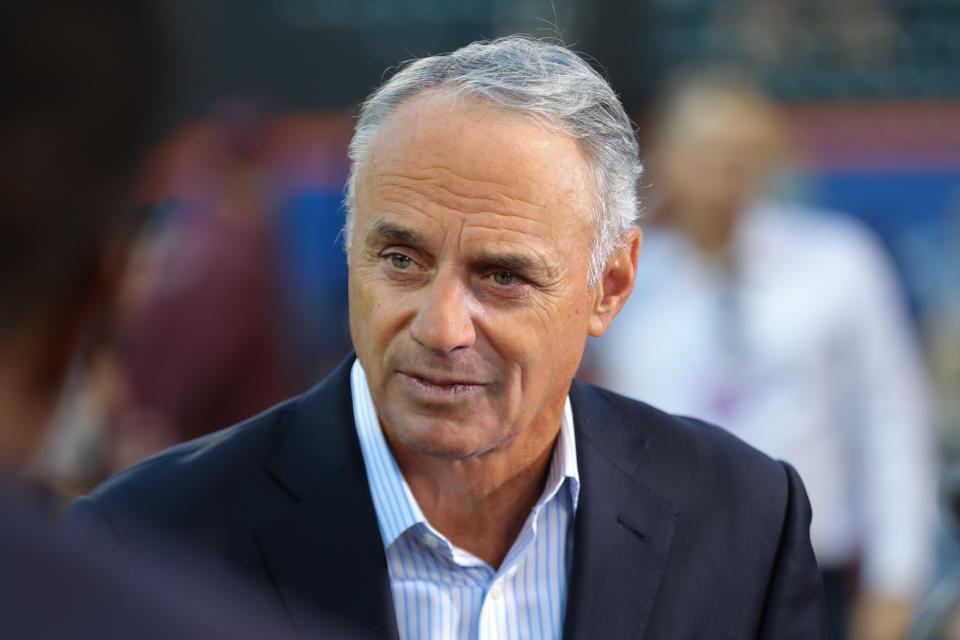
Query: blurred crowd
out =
(827, 339)
(234, 297)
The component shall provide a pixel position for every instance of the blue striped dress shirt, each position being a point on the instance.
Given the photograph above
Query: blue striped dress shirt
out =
(441, 591)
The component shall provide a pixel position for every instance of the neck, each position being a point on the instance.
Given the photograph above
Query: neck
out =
(480, 503)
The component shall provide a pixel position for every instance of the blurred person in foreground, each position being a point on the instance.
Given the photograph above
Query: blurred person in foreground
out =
(784, 325)
(81, 85)
(451, 479)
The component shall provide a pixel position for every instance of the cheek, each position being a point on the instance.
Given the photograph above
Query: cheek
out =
(545, 342)
(566, 344)
(376, 315)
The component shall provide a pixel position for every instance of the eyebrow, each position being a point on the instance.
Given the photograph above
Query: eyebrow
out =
(391, 233)
(384, 232)
(515, 262)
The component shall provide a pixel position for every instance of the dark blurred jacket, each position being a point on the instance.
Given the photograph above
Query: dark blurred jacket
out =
(52, 586)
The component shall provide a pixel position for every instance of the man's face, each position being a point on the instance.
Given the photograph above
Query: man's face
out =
(469, 297)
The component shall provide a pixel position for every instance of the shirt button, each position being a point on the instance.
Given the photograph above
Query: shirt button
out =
(496, 591)
(431, 540)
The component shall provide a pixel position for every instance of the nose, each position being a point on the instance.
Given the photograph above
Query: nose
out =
(444, 322)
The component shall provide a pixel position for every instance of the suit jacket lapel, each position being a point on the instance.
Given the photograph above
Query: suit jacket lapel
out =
(622, 530)
(325, 553)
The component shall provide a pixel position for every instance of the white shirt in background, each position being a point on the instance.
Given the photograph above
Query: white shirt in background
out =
(802, 348)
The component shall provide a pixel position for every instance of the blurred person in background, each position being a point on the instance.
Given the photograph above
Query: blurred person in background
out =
(228, 303)
(785, 325)
(197, 343)
(72, 141)
(80, 448)
(82, 82)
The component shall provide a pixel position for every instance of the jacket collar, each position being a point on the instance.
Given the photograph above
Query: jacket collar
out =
(325, 553)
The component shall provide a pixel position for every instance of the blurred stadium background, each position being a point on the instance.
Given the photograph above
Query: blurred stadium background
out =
(871, 87)
(240, 269)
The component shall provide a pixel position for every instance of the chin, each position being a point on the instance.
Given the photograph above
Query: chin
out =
(441, 439)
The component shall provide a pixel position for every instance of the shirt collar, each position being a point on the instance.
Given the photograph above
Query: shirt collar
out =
(396, 507)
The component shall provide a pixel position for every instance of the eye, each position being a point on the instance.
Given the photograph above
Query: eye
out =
(400, 261)
(506, 278)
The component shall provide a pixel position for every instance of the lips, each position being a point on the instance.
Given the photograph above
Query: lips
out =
(440, 381)
(434, 387)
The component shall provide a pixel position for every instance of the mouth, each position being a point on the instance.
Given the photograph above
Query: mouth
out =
(440, 388)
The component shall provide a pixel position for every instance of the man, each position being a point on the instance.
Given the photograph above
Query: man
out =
(81, 88)
(450, 480)
(789, 331)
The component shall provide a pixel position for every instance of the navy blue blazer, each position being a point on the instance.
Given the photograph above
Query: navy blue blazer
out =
(682, 530)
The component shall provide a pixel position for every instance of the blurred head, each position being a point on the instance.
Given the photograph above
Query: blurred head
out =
(715, 138)
(80, 79)
(472, 239)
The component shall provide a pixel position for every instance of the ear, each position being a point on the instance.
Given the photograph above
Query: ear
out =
(616, 283)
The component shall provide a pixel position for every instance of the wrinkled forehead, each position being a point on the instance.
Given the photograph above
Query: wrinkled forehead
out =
(473, 145)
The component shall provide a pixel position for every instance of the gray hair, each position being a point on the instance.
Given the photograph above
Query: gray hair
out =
(546, 81)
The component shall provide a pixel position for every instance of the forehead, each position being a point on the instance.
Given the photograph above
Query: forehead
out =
(460, 155)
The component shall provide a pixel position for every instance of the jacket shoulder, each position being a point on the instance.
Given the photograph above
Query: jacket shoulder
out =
(205, 472)
(686, 459)
(241, 474)
(740, 521)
